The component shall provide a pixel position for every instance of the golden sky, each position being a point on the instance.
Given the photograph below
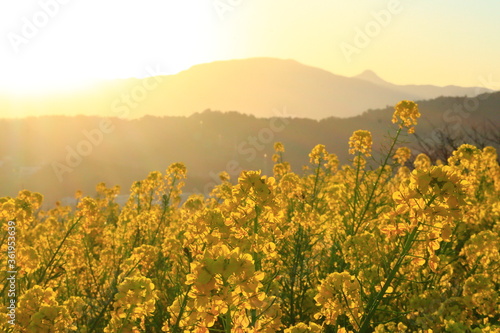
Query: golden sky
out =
(60, 44)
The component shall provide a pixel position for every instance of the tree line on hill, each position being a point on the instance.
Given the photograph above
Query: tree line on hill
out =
(57, 155)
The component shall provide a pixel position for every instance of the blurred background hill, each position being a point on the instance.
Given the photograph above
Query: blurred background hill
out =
(34, 150)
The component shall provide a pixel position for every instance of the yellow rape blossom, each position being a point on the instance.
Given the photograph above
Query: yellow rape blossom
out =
(402, 155)
(339, 248)
(406, 114)
(361, 141)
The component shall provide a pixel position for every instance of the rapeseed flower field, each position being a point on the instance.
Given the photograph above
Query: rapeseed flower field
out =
(335, 248)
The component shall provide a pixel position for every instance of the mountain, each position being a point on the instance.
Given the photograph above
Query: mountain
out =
(57, 155)
(422, 91)
(256, 86)
(370, 76)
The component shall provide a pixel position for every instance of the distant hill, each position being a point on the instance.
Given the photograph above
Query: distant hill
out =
(422, 91)
(38, 153)
(257, 86)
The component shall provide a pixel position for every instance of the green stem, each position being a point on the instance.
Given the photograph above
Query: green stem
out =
(374, 303)
(374, 188)
(42, 275)
(316, 179)
(356, 192)
(176, 327)
(228, 325)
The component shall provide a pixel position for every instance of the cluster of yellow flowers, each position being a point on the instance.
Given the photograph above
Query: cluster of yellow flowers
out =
(134, 301)
(406, 246)
(39, 311)
(339, 294)
(406, 113)
(361, 141)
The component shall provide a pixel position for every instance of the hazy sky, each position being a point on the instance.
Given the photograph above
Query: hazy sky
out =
(60, 43)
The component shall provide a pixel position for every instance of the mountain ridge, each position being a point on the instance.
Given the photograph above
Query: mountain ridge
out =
(424, 91)
(257, 86)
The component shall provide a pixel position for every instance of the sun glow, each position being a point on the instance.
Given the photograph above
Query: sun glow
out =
(49, 45)
(60, 45)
